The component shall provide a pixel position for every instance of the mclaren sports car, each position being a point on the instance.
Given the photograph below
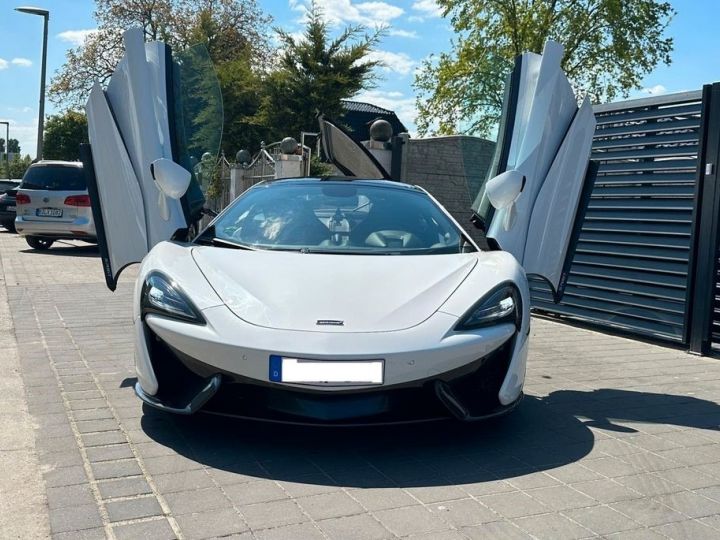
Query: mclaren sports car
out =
(339, 300)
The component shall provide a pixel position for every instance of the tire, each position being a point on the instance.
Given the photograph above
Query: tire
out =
(36, 242)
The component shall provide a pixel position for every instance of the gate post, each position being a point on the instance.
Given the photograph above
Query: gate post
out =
(702, 271)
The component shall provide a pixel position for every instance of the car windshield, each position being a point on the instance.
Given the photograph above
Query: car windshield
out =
(337, 217)
(54, 178)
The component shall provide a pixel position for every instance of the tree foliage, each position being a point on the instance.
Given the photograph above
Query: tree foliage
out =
(63, 135)
(610, 45)
(18, 166)
(314, 73)
(13, 146)
(226, 27)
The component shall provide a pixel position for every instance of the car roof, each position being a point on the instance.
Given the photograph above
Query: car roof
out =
(57, 163)
(345, 179)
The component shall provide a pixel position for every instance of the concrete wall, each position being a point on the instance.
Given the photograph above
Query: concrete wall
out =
(451, 168)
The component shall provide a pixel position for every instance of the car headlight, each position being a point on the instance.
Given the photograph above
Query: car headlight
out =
(501, 305)
(162, 296)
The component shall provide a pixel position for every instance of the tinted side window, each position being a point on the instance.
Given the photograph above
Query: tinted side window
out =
(54, 178)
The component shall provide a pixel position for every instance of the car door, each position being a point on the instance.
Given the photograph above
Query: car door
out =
(150, 111)
(350, 157)
(536, 199)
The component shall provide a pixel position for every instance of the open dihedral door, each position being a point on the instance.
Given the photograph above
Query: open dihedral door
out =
(534, 206)
(352, 158)
(144, 115)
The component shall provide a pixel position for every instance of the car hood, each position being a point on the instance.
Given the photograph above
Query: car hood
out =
(332, 293)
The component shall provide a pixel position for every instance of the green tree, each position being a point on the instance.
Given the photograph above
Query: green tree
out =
(610, 45)
(63, 135)
(19, 165)
(314, 73)
(227, 27)
(13, 147)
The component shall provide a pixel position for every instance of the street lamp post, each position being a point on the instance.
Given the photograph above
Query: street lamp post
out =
(45, 14)
(7, 147)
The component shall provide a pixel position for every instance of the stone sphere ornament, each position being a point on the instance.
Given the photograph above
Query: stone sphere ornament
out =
(288, 145)
(381, 130)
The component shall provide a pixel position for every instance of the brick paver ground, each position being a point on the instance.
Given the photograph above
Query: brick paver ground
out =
(616, 438)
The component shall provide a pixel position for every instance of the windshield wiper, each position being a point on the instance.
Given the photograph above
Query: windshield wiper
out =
(219, 242)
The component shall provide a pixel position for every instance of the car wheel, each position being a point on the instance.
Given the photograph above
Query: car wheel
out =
(36, 242)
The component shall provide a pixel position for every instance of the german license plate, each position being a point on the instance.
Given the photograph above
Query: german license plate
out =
(326, 372)
(49, 212)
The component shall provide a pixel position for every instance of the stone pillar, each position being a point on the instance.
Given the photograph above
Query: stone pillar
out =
(237, 186)
(382, 151)
(289, 166)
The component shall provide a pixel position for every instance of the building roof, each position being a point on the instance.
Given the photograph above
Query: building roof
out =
(360, 115)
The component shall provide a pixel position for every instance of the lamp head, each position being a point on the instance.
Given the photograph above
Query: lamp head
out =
(33, 10)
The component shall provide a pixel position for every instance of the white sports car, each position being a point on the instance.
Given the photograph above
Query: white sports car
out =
(341, 300)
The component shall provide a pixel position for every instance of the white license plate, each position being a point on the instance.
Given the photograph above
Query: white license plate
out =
(49, 212)
(10, 208)
(326, 372)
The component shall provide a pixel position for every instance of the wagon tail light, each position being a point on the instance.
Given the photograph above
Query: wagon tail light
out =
(77, 200)
(501, 305)
(21, 198)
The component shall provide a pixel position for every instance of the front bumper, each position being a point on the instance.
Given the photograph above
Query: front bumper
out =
(223, 368)
(81, 228)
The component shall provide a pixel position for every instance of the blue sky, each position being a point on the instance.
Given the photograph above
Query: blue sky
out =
(415, 31)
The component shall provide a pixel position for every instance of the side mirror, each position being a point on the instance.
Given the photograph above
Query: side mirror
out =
(172, 180)
(504, 189)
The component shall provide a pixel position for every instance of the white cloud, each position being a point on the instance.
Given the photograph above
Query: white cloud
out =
(403, 33)
(396, 62)
(427, 7)
(76, 37)
(25, 133)
(656, 90)
(20, 109)
(368, 13)
(3, 64)
(395, 101)
(23, 62)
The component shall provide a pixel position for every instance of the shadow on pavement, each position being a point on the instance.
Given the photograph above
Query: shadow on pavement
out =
(541, 434)
(67, 250)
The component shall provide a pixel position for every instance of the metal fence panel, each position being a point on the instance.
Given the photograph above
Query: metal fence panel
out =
(630, 270)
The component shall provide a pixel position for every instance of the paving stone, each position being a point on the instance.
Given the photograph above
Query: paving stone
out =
(98, 533)
(552, 527)
(382, 498)
(410, 520)
(648, 512)
(210, 524)
(65, 496)
(183, 481)
(123, 510)
(561, 498)
(602, 519)
(463, 513)
(170, 464)
(606, 490)
(255, 492)
(75, 518)
(687, 530)
(690, 504)
(329, 505)
(187, 502)
(513, 504)
(123, 487)
(103, 438)
(304, 531)
(272, 514)
(115, 469)
(65, 476)
(649, 484)
(148, 530)
(361, 527)
(496, 529)
(109, 453)
(433, 494)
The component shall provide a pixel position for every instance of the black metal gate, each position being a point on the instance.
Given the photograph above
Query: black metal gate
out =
(633, 269)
